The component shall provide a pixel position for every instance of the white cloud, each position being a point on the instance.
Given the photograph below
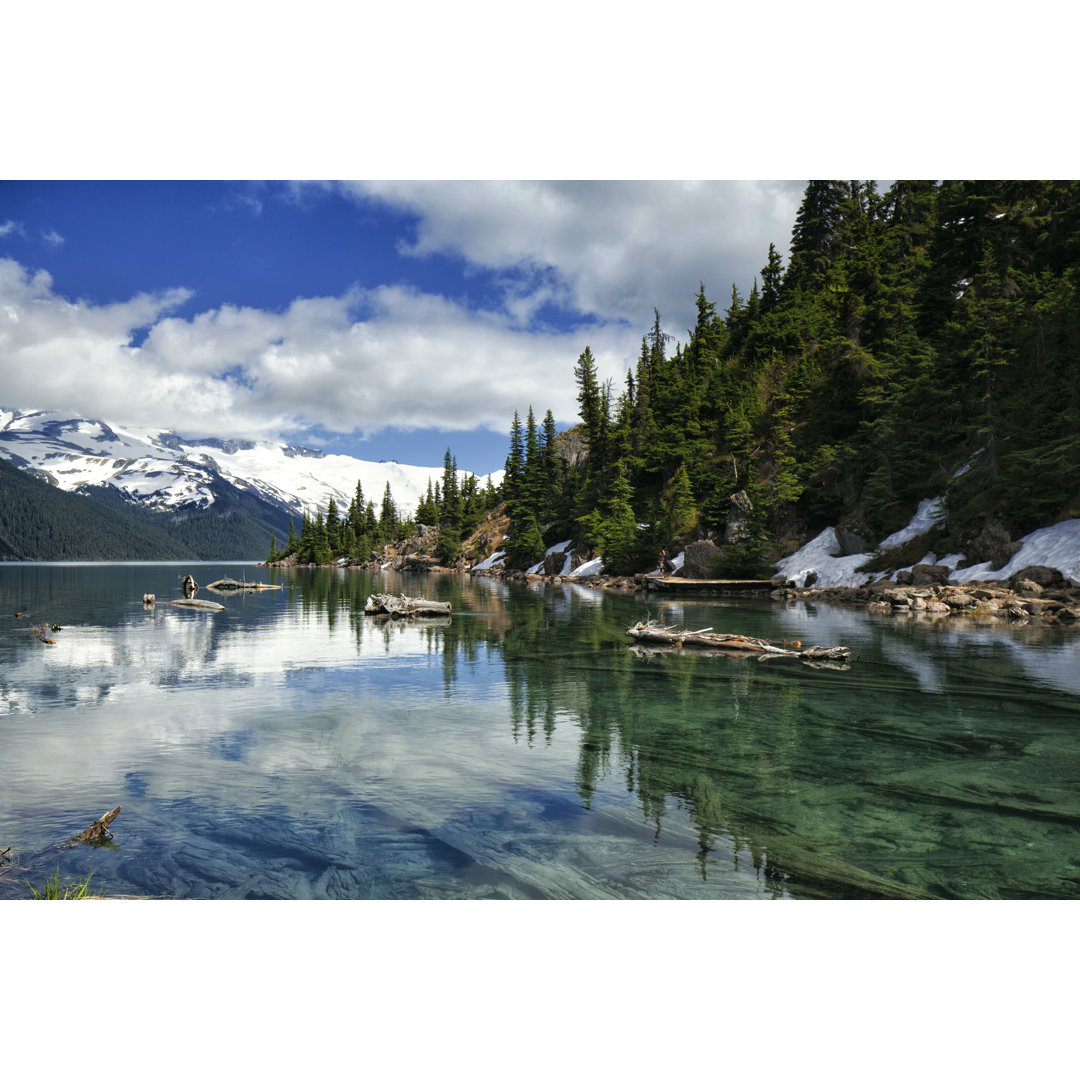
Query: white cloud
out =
(367, 360)
(393, 356)
(52, 238)
(615, 249)
(11, 227)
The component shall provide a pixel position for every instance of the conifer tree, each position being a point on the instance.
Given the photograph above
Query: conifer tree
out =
(450, 514)
(515, 468)
(388, 517)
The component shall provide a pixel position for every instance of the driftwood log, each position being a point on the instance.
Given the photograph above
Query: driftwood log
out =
(99, 830)
(202, 605)
(404, 607)
(735, 644)
(230, 584)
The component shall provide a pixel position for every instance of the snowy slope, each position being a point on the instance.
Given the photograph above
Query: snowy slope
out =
(163, 471)
(1057, 546)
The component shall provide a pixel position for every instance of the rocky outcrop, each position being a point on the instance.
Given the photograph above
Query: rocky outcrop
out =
(993, 544)
(737, 527)
(700, 561)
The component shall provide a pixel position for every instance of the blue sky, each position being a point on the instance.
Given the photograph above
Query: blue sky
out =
(381, 319)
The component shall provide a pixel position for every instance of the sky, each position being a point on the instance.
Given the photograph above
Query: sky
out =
(383, 319)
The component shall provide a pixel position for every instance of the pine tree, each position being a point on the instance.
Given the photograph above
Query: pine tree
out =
(450, 514)
(388, 517)
(514, 477)
(589, 398)
(772, 277)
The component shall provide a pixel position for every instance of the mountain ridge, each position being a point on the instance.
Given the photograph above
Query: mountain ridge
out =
(214, 497)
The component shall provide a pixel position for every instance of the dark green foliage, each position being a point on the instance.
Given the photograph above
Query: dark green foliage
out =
(913, 332)
(40, 522)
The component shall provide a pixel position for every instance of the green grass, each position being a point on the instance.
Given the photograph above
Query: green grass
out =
(54, 889)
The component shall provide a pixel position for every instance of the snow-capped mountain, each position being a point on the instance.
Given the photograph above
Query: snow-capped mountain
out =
(161, 470)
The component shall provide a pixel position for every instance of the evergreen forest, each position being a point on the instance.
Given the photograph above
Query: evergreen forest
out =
(916, 342)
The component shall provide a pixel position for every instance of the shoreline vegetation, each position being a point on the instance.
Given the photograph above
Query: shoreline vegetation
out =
(1034, 594)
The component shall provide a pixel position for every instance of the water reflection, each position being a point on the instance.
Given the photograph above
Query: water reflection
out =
(292, 746)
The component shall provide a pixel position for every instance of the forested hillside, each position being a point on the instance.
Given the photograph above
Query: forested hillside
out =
(40, 522)
(919, 341)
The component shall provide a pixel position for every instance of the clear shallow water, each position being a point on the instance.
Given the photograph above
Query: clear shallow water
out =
(290, 747)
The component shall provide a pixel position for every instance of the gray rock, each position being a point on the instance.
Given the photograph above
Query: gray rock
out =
(994, 545)
(736, 528)
(850, 543)
(1037, 575)
(700, 560)
(959, 599)
(929, 574)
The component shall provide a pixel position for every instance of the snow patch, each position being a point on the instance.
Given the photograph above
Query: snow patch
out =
(1056, 546)
(822, 557)
(595, 566)
(928, 514)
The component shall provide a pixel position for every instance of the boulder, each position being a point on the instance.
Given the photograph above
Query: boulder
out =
(959, 599)
(850, 543)
(554, 562)
(700, 561)
(1038, 575)
(993, 545)
(929, 574)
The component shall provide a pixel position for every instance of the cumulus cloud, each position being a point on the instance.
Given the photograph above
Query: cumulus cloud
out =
(366, 360)
(52, 238)
(11, 227)
(394, 356)
(613, 249)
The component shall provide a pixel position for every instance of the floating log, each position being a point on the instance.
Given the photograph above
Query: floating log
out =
(202, 605)
(735, 644)
(230, 584)
(99, 830)
(404, 607)
(189, 585)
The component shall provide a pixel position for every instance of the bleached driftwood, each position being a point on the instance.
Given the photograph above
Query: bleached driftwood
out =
(229, 584)
(202, 605)
(736, 644)
(404, 607)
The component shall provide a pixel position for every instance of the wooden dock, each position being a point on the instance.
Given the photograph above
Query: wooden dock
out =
(670, 583)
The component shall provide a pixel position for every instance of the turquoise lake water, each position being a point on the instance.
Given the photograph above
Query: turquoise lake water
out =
(290, 747)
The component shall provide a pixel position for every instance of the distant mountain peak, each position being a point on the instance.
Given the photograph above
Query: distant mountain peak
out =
(164, 471)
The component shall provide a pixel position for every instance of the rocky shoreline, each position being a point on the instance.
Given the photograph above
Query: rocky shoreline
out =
(1034, 594)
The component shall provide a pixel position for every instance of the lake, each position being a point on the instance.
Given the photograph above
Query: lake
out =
(291, 747)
